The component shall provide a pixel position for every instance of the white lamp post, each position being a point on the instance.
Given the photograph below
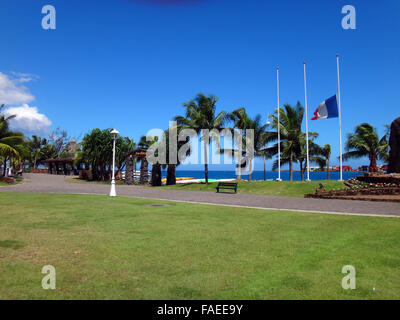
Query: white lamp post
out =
(112, 192)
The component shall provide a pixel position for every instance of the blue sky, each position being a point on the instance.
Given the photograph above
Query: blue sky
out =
(130, 64)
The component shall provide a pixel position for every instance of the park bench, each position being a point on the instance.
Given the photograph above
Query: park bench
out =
(227, 185)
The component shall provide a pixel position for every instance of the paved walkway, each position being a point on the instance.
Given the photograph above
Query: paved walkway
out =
(43, 183)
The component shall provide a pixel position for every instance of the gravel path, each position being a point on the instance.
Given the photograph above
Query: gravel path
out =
(43, 183)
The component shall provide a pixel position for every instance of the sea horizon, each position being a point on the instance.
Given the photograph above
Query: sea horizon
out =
(259, 175)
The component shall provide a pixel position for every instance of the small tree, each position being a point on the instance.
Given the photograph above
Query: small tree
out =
(201, 116)
(291, 135)
(365, 142)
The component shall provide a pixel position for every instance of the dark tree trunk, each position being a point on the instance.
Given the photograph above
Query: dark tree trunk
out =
(95, 172)
(171, 174)
(372, 166)
(5, 167)
(129, 174)
(205, 161)
(156, 175)
(265, 175)
(291, 168)
(301, 170)
(144, 171)
(250, 169)
(206, 172)
(328, 170)
(239, 172)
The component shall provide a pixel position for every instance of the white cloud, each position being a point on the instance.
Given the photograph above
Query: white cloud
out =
(12, 92)
(28, 119)
(19, 77)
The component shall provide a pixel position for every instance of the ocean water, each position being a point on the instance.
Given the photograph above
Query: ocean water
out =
(259, 175)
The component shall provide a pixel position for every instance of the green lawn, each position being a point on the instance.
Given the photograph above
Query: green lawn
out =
(274, 188)
(121, 248)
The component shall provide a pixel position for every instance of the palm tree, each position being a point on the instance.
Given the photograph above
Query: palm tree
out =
(10, 141)
(365, 142)
(36, 145)
(171, 166)
(291, 134)
(243, 122)
(145, 143)
(313, 152)
(201, 116)
(385, 142)
(324, 161)
(240, 121)
(266, 155)
(260, 139)
(123, 146)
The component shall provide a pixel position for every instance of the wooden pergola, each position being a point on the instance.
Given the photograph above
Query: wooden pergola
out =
(138, 153)
(60, 166)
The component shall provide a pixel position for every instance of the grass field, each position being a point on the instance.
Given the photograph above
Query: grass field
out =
(122, 248)
(273, 188)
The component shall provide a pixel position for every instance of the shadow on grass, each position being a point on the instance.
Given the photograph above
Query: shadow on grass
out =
(11, 244)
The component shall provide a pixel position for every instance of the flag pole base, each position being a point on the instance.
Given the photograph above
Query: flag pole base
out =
(113, 192)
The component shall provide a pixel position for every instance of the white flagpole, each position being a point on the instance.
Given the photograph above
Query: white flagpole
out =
(279, 130)
(305, 98)
(340, 121)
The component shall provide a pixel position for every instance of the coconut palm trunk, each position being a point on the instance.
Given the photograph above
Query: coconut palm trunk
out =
(328, 170)
(250, 169)
(156, 175)
(373, 166)
(301, 170)
(206, 159)
(144, 171)
(239, 173)
(171, 174)
(5, 166)
(291, 167)
(265, 174)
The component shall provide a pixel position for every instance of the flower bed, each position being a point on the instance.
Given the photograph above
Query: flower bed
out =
(8, 180)
(378, 178)
(390, 194)
(356, 184)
